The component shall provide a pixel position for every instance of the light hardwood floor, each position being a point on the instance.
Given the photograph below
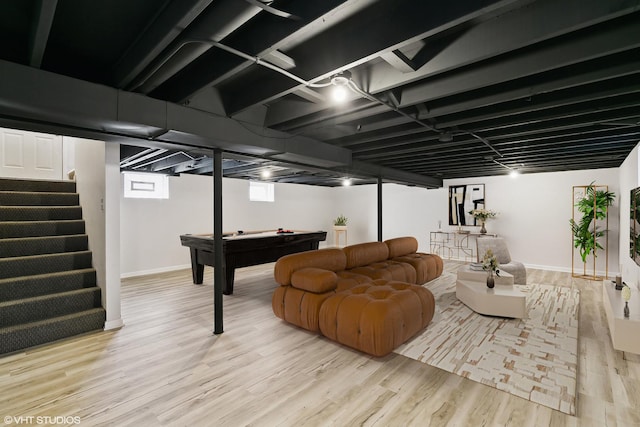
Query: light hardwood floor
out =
(166, 368)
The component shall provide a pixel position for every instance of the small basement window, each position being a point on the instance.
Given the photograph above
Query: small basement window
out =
(261, 191)
(146, 185)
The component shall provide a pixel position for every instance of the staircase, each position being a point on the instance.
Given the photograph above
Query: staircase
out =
(47, 284)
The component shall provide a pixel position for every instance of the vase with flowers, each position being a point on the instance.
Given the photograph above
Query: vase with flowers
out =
(482, 215)
(490, 264)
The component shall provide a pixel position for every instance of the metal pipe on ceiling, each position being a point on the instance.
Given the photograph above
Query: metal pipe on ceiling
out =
(351, 84)
(218, 21)
(146, 154)
(259, 61)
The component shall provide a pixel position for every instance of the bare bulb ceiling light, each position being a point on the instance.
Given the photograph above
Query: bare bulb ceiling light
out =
(339, 93)
(340, 84)
(341, 79)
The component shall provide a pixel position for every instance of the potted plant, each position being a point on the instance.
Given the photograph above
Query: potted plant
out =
(593, 206)
(482, 215)
(340, 221)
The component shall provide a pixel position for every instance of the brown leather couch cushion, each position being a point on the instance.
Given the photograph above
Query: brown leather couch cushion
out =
(376, 317)
(436, 262)
(328, 259)
(298, 307)
(365, 253)
(401, 246)
(419, 264)
(388, 270)
(316, 280)
(349, 279)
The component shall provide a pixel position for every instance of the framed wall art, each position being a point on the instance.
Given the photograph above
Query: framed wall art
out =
(462, 199)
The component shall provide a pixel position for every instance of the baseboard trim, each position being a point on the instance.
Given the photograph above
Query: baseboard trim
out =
(154, 271)
(113, 324)
(549, 267)
(567, 269)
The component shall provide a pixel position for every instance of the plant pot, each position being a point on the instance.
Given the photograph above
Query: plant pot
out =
(339, 227)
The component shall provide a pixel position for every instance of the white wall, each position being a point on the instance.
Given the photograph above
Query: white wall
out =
(150, 228)
(534, 212)
(90, 184)
(93, 168)
(112, 236)
(296, 207)
(406, 211)
(360, 205)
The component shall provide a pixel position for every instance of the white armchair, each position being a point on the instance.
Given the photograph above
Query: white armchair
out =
(500, 250)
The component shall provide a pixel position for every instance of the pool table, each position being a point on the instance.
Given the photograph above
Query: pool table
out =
(245, 248)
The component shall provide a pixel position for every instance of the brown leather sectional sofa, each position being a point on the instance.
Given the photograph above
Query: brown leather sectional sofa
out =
(366, 296)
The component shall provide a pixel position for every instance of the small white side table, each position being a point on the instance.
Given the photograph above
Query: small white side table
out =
(624, 331)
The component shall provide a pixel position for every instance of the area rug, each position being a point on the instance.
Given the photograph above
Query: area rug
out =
(534, 358)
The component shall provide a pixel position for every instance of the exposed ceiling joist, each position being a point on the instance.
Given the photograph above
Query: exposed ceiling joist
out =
(435, 87)
(174, 17)
(40, 33)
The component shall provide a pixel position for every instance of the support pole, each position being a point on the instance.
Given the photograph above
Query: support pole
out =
(379, 209)
(218, 270)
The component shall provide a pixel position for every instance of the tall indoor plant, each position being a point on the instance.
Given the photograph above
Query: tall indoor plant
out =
(593, 206)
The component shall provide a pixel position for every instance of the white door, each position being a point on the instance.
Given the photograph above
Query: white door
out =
(30, 155)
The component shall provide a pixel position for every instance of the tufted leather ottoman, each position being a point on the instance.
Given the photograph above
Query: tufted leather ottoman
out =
(376, 317)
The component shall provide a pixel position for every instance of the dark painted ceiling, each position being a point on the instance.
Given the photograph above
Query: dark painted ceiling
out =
(440, 89)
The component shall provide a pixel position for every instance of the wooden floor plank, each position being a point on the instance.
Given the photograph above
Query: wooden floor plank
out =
(166, 368)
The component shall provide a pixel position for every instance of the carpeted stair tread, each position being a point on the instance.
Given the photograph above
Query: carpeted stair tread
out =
(19, 337)
(42, 307)
(14, 288)
(41, 264)
(34, 185)
(47, 282)
(39, 213)
(10, 229)
(19, 198)
(43, 245)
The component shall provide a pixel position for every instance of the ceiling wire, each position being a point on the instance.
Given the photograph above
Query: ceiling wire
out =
(354, 87)
(351, 84)
(267, 7)
(483, 140)
(502, 164)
